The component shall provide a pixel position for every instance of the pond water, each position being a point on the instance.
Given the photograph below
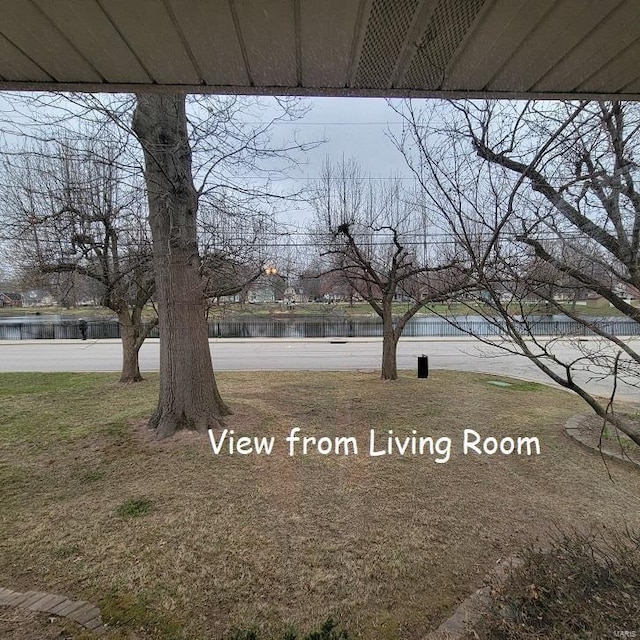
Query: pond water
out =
(56, 327)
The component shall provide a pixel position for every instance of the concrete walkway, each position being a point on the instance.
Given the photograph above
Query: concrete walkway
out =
(84, 613)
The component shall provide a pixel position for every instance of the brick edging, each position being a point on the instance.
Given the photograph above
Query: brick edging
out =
(80, 611)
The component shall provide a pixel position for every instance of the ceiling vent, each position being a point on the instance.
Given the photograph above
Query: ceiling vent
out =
(387, 29)
(441, 38)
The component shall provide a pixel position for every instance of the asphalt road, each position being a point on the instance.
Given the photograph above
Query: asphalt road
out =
(299, 355)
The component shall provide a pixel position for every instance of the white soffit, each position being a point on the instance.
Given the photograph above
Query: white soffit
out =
(479, 48)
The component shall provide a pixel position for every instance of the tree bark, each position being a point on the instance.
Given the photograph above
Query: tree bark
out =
(389, 343)
(189, 397)
(129, 334)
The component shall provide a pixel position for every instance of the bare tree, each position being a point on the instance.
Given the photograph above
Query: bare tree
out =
(376, 236)
(233, 245)
(310, 281)
(189, 396)
(543, 198)
(189, 156)
(69, 209)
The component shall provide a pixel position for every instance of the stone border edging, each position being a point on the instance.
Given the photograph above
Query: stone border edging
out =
(80, 611)
(572, 429)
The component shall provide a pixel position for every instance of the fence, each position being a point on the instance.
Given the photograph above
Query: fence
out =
(318, 328)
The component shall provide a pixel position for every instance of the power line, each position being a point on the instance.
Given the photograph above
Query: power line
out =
(327, 124)
(299, 178)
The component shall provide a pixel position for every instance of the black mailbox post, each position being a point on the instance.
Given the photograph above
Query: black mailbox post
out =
(423, 366)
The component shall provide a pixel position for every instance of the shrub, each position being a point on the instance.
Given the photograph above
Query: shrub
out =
(587, 585)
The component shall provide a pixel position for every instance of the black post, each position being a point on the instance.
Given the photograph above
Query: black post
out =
(423, 366)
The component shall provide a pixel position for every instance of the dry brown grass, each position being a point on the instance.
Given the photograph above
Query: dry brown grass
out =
(387, 546)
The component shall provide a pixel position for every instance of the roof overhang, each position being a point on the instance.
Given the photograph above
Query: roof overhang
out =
(453, 48)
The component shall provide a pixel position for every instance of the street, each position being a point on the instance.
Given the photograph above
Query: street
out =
(299, 355)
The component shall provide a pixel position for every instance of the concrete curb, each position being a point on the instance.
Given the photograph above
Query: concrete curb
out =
(572, 429)
(84, 613)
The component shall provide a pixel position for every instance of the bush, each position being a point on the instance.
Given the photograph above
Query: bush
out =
(587, 585)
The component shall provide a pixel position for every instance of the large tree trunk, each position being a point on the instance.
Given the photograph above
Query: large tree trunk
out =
(129, 334)
(389, 343)
(189, 397)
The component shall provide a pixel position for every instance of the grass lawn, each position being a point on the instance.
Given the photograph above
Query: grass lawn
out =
(172, 541)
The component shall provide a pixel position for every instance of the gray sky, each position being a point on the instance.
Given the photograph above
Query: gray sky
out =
(352, 127)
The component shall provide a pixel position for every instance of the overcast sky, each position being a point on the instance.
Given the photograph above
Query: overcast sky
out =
(352, 127)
